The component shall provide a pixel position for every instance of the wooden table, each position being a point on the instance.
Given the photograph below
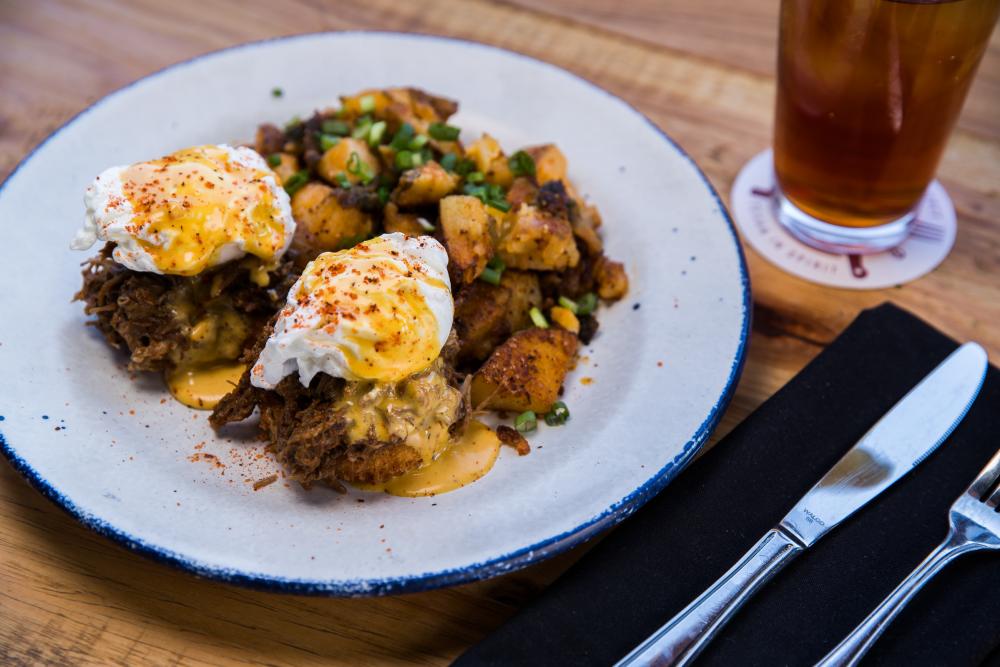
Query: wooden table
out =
(701, 70)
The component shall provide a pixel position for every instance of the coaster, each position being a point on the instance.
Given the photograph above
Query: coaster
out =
(930, 242)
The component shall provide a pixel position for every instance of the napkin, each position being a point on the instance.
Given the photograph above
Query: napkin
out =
(668, 552)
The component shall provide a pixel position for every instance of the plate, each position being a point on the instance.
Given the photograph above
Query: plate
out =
(129, 462)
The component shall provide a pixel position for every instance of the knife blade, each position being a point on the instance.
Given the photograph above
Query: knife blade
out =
(906, 435)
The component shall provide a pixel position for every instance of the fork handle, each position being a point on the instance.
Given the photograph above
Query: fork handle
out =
(686, 634)
(855, 645)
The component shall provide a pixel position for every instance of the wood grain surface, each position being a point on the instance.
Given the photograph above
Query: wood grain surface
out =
(701, 70)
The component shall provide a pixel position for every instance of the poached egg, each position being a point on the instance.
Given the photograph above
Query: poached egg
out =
(189, 211)
(379, 311)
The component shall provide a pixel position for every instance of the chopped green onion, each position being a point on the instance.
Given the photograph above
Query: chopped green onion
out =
(327, 141)
(490, 194)
(362, 129)
(404, 159)
(522, 164)
(569, 305)
(538, 319)
(418, 142)
(557, 415)
(425, 224)
(526, 421)
(295, 182)
(426, 154)
(416, 159)
(293, 123)
(337, 127)
(359, 168)
(402, 137)
(465, 166)
(448, 161)
(342, 180)
(277, 92)
(586, 304)
(274, 159)
(443, 132)
(367, 104)
(375, 133)
(475, 177)
(383, 194)
(491, 276)
(498, 204)
(496, 263)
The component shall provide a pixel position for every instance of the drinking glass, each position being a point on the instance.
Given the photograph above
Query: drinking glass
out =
(868, 92)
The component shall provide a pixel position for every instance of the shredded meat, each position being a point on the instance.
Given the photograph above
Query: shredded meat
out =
(135, 310)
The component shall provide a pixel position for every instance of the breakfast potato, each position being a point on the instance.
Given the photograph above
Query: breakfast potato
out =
(612, 282)
(525, 294)
(465, 229)
(355, 105)
(490, 160)
(550, 163)
(338, 160)
(526, 372)
(323, 222)
(395, 220)
(423, 185)
(522, 191)
(534, 239)
(481, 319)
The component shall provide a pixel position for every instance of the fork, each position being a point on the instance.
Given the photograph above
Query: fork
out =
(974, 524)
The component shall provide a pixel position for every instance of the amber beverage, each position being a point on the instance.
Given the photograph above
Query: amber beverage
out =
(868, 92)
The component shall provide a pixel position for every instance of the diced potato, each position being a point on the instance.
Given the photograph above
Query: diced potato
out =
(536, 240)
(423, 185)
(323, 223)
(525, 294)
(565, 318)
(352, 104)
(465, 228)
(526, 372)
(397, 221)
(481, 319)
(490, 160)
(612, 282)
(585, 220)
(283, 170)
(550, 163)
(418, 108)
(338, 158)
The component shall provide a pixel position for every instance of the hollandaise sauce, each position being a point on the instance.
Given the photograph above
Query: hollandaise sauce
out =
(468, 457)
(203, 386)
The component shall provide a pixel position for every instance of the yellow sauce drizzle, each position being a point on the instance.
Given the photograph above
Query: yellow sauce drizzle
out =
(202, 387)
(467, 458)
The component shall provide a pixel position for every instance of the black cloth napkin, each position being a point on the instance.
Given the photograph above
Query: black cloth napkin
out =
(658, 560)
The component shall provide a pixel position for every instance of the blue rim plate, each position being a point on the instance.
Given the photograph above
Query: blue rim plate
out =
(109, 449)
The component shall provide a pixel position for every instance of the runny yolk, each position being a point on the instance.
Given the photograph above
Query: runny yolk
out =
(466, 459)
(203, 386)
(188, 205)
(372, 295)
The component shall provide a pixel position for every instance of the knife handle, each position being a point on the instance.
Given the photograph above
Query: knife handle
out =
(686, 634)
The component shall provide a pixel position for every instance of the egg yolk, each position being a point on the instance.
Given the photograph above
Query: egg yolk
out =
(371, 293)
(189, 204)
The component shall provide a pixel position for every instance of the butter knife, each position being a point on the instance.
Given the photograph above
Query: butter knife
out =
(900, 440)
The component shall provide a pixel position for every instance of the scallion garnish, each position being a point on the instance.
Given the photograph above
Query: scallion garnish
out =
(402, 137)
(418, 142)
(586, 304)
(404, 160)
(569, 305)
(475, 177)
(443, 132)
(488, 193)
(336, 127)
(496, 263)
(448, 161)
(416, 159)
(274, 159)
(293, 123)
(359, 168)
(521, 164)
(383, 194)
(327, 141)
(425, 224)
(367, 104)
(362, 128)
(342, 180)
(491, 276)
(375, 133)
(277, 92)
(295, 182)
(538, 319)
(526, 421)
(464, 166)
(557, 415)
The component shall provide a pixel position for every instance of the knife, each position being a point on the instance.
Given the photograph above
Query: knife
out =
(900, 440)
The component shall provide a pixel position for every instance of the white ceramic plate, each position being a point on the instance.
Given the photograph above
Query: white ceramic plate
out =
(131, 463)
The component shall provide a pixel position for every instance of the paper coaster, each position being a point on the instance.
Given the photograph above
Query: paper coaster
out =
(932, 238)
